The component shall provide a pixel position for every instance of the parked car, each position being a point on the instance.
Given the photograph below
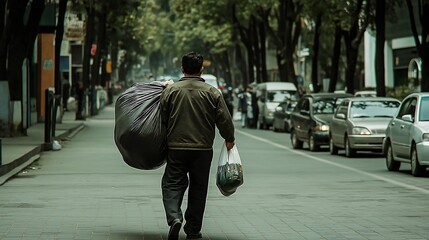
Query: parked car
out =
(366, 93)
(269, 95)
(359, 124)
(407, 135)
(281, 115)
(212, 80)
(311, 118)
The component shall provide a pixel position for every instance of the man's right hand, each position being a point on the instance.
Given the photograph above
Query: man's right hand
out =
(229, 145)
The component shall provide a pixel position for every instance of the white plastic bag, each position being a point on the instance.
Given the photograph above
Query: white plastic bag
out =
(230, 171)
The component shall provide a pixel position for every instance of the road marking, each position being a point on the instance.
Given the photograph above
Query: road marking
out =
(405, 185)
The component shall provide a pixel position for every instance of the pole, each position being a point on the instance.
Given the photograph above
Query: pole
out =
(48, 119)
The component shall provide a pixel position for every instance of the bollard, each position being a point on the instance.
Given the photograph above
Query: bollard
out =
(48, 118)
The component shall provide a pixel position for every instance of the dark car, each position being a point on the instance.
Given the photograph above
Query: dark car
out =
(311, 118)
(281, 116)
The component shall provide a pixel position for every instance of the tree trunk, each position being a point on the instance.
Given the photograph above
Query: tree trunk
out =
(351, 70)
(6, 30)
(351, 54)
(256, 47)
(241, 63)
(315, 56)
(335, 59)
(246, 39)
(89, 37)
(292, 32)
(262, 39)
(250, 64)
(281, 63)
(379, 51)
(21, 43)
(95, 73)
(424, 49)
(58, 41)
(227, 69)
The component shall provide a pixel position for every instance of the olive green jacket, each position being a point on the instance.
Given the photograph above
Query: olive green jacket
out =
(192, 109)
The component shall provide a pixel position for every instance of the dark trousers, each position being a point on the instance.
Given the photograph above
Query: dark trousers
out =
(175, 181)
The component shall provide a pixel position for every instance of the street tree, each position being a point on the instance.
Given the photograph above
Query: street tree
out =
(380, 25)
(422, 39)
(20, 21)
(285, 29)
(314, 12)
(211, 32)
(354, 17)
(251, 20)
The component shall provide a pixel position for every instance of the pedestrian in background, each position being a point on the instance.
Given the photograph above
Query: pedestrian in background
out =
(65, 82)
(255, 108)
(191, 109)
(245, 107)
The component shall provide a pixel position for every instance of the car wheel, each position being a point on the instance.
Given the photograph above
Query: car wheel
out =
(417, 170)
(312, 143)
(296, 143)
(391, 164)
(350, 152)
(333, 150)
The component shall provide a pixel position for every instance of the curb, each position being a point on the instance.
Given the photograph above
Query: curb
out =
(9, 170)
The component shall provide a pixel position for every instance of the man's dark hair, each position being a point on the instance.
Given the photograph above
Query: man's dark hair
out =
(192, 63)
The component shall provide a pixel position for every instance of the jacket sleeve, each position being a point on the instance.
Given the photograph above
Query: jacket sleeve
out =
(224, 121)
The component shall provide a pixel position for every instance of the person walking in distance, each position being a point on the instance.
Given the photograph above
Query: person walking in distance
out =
(191, 109)
(245, 107)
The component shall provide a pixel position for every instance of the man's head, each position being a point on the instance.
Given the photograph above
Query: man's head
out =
(192, 64)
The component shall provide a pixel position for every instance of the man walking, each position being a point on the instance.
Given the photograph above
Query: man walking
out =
(245, 107)
(191, 109)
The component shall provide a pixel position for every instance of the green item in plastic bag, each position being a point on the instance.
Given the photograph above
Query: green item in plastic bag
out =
(230, 171)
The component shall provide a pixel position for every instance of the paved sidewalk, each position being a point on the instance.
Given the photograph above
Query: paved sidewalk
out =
(17, 153)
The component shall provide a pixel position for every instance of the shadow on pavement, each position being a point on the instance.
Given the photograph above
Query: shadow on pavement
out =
(157, 236)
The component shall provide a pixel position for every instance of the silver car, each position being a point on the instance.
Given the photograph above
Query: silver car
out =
(359, 124)
(407, 135)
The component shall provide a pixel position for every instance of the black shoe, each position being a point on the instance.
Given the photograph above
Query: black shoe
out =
(194, 236)
(173, 234)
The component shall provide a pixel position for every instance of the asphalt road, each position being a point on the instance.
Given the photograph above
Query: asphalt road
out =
(86, 191)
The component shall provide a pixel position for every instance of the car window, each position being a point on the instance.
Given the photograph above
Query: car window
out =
(290, 106)
(424, 109)
(341, 109)
(412, 108)
(404, 107)
(370, 109)
(324, 106)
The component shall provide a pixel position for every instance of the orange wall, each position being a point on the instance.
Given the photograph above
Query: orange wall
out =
(46, 65)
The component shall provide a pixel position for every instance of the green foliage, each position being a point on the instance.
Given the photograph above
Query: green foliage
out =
(204, 26)
(399, 92)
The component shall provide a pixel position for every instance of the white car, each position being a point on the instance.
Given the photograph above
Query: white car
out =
(407, 135)
(359, 124)
(212, 80)
(366, 93)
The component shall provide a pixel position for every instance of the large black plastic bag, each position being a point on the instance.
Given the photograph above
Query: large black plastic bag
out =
(139, 133)
(229, 172)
